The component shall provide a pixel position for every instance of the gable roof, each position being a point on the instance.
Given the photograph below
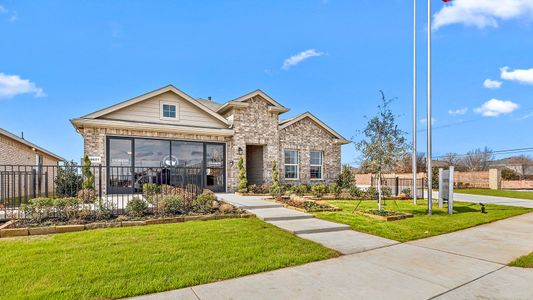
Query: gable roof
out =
(29, 144)
(288, 122)
(212, 105)
(168, 88)
(235, 102)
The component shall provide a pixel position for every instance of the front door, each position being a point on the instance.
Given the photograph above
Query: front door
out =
(254, 164)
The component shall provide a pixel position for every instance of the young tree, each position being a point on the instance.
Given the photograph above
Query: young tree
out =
(346, 178)
(243, 181)
(88, 177)
(275, 189)
(383, 144)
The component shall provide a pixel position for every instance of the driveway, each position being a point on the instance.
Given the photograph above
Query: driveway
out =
(467, 264)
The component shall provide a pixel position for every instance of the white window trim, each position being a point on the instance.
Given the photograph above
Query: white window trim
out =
(297, 164)
(321, 165)
(176, 104)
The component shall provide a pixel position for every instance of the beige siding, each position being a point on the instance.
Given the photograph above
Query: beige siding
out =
(149, 111)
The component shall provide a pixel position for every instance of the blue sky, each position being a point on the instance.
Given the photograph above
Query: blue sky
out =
(63, 59)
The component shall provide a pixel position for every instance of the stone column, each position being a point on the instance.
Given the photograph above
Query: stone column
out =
(495, 179)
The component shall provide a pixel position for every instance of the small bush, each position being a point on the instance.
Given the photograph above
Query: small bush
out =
(171, 205)
(243, 181)
(346, 179)
(151, 188)
(301, 189)
(356, 192)
(318, 190)
(102, 210)
(508, 174)
(202, 203)
(38, 209)
(371, 193)
(386, 191)
(406, 192)
(86, 196)
(67, 208)
(136, 207)
(287, 187)
(334, 189)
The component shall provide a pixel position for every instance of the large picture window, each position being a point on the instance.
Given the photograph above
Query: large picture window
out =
(316, 159)
(291, 164)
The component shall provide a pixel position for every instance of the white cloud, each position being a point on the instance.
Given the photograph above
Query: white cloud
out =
(523, 76)
(492, 84)
(495, 107)
(482, 13)
(526, 116)
(13, 85)
(12, 16)
(298, 58)
(425, 120)
(460, 111)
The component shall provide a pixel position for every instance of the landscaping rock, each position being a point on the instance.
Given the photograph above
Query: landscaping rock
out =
(11, 232)
(69, 228)
(42, 230)
(215, 204)
(225, 208)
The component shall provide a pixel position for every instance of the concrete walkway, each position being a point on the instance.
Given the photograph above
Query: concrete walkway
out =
(332, 235)
(468, 264)
(490, 199)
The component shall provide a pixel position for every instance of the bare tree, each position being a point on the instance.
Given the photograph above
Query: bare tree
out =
(451, 158)
(383, 143)
(406, 166)
(477, 159)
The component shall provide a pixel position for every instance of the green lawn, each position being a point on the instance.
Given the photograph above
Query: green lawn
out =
(421, 226)
(121, 262)
(525, 261)
(498, 193)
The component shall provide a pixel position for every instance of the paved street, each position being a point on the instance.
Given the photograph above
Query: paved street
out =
(490, 199)
(462, 265)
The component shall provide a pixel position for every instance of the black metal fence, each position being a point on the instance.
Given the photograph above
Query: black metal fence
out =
(398, 185)
(112, 186)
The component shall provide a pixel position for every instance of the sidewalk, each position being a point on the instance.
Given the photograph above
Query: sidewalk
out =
(461, 265)
(489, 199)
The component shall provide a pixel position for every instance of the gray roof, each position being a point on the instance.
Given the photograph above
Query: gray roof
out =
(212, 105)
(29, 144)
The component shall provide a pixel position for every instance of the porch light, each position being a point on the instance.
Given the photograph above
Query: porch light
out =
(239, 151)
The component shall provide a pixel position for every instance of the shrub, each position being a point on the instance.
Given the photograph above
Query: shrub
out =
(356, 192)
(136, 207)
(103, 210)
(406, 192)
(508, 174)
(88, 182)
(334, 189)
(287, 187)
(386, 191)
(38, 209)
(86, 196)
(67, 181)
(371, 193)
(346, 178)
(151, 188)
(318, 190)
(275, 189)
(67, 208)
(171, 205)
(202, 203)
(243, 182)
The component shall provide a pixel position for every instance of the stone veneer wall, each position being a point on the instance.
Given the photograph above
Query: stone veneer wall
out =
(253, 125)
(95, 141)
(306, 136)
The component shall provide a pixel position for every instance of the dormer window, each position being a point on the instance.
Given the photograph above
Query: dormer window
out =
(169, 111)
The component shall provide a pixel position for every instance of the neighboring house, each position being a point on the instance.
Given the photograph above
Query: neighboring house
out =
(17, 151)
(168, 127)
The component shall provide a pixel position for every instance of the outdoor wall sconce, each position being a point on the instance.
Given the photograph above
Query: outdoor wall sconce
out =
(239, 151)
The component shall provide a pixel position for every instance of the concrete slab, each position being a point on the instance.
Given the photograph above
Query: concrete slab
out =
(505, 284)
(280, 214)
(182, 294)
(345, 277)
(309, 226)
(500, 242)
(441, 268)
(248, 202)
(348, 241)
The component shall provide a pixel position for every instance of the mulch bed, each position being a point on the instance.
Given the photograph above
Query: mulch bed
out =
(384, 215)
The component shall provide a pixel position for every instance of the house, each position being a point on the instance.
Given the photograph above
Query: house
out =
(17, 151)
(138, 139)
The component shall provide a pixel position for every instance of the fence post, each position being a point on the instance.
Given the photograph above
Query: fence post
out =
(397, 185)
(46, 184)
(33, 183)
(100, 181)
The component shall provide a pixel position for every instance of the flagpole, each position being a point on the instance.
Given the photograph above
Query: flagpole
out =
(414, 168)
(428, 119)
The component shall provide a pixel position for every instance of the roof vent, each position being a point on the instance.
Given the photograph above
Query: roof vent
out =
(209, 98)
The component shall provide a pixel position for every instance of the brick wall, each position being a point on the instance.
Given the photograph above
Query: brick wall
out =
(473, 179)
(517, 184)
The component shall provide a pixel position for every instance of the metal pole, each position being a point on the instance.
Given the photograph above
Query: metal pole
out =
(428, 119)
(414, 104)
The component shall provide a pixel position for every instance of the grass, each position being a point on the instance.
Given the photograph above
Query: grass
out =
(525, 261)
(421, 226)
(122, 262)
(498, 193)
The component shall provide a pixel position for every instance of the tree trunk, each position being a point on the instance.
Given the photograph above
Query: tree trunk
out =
(380, 207)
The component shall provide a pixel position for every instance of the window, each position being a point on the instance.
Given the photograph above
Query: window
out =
(168, 111)
(291, 164)
(316, 164)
